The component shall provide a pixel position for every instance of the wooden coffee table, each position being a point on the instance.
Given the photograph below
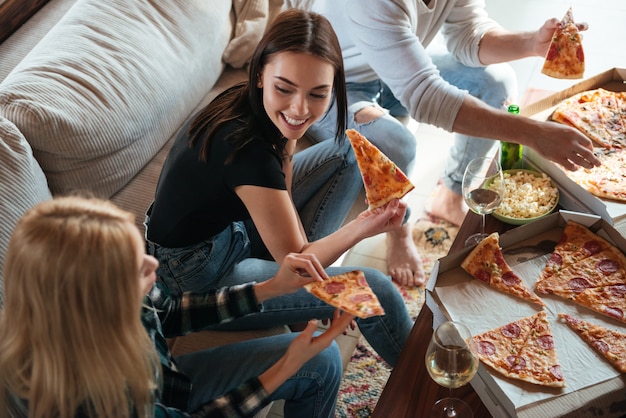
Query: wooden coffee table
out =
(410, 391)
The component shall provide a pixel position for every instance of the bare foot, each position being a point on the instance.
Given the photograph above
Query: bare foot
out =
(403, 261)
(448, 205)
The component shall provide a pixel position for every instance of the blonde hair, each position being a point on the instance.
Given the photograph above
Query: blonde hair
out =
(71, 336)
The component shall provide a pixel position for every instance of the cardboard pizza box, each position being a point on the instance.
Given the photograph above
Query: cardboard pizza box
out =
(574, 197)
(592, 384)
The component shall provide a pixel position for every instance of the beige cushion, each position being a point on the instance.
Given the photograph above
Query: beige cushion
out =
(110, 83)
(22, 184)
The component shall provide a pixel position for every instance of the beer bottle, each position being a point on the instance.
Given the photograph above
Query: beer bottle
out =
(511, 153)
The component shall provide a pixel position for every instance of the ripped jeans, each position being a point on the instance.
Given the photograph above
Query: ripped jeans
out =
(494, 85)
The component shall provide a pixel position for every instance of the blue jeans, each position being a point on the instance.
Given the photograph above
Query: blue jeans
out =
(494, 85)
(311, 392)
(326, 182)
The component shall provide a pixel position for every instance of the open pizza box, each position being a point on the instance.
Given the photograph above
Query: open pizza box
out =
(574, 197)
(591, 382)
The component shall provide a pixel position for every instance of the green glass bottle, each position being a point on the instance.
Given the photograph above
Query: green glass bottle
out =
(511, 153)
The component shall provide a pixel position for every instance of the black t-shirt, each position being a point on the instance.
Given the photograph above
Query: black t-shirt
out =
(195, 200)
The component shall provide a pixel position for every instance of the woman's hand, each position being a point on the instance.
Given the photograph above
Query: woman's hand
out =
(385, 218)
(303, 348)
(296, 270)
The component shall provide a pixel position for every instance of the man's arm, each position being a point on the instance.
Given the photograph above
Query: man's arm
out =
(557, 142)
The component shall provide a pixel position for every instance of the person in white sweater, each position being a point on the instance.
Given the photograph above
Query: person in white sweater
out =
(463, 88)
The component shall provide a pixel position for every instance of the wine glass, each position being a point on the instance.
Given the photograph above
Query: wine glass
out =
(483, 188)
(452, 362)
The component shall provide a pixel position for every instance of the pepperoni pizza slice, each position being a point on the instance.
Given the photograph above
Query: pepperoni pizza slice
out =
(487, 264)
(595, 276)
(348, 292)
(382, 178)
(577, 242)
(609, 343)
(608, 267)
(523, 349)
(565, 57)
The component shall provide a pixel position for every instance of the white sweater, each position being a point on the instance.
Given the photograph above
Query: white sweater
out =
(386, 39)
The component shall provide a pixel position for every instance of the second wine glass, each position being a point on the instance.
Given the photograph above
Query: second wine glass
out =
(483, 188)
(451, 361)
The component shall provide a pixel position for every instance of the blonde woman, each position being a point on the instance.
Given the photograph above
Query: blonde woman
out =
(73, 340)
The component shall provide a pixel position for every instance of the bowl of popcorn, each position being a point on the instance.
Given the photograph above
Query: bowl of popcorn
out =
(528, 196)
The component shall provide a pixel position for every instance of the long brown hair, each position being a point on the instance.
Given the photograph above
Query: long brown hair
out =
(71, 337)
(295, 31)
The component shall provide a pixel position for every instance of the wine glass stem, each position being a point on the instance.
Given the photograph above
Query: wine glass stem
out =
(482, 225)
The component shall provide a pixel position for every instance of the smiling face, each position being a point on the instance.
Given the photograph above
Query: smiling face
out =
(297, 89)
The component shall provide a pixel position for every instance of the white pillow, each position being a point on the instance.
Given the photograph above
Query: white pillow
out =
(22, 185)
(110, 83)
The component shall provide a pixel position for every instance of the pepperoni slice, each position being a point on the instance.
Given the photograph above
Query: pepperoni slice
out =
(516, 363)
(486, 348)
(618, 290)
(511, 330)
(483, 275)
(607, 266)
(363, 297)
(601, 346)
(578, 284)
(592, 247)
(510, 279)
(556, 372)
(361, 281)
(546, 342)
(555, 260)
(614, 312)
(499, 259)
(334, 288)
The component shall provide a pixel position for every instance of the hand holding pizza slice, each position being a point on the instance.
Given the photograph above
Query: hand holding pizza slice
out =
(565, 57)
(349, 292)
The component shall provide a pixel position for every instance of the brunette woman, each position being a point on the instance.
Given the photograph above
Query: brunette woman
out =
(234, 197)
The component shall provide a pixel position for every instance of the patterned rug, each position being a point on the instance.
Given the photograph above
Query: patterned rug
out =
(367, 373)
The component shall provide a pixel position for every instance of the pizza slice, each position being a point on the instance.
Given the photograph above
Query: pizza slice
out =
(487, 264)
(565, 57)
(522, 349)
(348, 292)
(609, 343)
(608, 267)
(577, 242)
(606, 300)
(382, 178)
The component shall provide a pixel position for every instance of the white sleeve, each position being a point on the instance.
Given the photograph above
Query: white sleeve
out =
(464, 28)
(385, 33)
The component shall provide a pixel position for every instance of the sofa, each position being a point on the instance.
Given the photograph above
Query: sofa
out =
(93, 92)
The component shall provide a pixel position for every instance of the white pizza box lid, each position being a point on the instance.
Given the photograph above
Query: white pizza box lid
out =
(573, 196)
(592, 383)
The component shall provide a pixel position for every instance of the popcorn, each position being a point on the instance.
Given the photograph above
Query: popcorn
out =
(526, 195)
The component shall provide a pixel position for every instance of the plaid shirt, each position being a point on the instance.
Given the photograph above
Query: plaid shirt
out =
(165, 317)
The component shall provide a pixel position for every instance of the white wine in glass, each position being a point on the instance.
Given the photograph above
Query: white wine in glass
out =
(451, 361)
(481, 192)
